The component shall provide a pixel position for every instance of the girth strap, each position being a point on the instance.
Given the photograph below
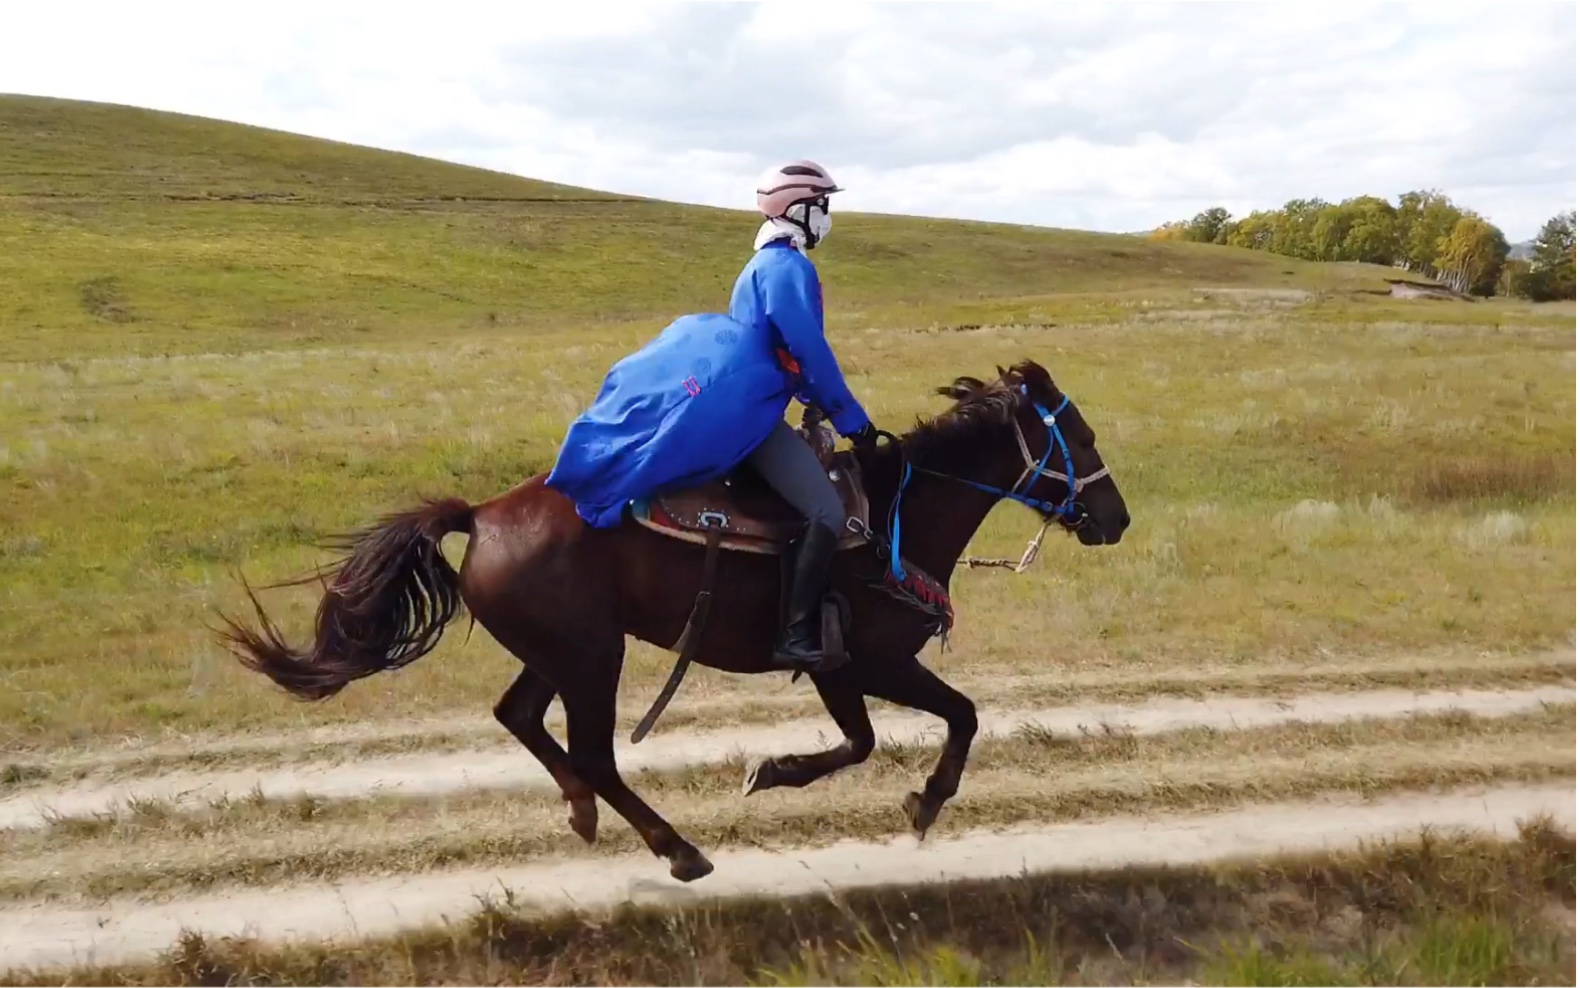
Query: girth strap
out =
(690, 641)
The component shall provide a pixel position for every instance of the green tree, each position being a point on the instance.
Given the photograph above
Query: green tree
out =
(1208, 226)
(1426, 220)
(1515, 279)
(1328, 230)
(1295, 235)
(1471, 256)
(1256, 231)
(1552, 269)
(1372, 235)
(1425, 232)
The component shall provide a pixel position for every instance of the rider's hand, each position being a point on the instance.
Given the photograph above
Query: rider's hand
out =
(867, 438)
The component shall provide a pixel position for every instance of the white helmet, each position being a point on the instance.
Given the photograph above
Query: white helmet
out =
(798, 193)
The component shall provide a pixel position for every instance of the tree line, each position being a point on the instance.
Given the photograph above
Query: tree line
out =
(1424, 233)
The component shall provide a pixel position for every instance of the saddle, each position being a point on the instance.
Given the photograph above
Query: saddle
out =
(750, 515)
(741, 512)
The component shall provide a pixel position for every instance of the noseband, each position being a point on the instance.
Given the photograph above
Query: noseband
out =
(1069, 511)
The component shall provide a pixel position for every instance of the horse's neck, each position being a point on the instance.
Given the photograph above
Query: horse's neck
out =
(939, 517)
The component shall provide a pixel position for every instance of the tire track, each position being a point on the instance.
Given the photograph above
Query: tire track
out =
(509, 767)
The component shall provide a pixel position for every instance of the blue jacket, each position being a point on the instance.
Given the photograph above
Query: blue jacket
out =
(695, 401)
(779, 292)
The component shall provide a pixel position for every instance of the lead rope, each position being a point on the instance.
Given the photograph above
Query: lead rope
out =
(1026, 558)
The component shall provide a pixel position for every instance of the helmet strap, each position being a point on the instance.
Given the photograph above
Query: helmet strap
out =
(805, 223)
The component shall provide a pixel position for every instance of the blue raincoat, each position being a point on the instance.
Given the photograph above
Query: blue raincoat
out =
(695, 401)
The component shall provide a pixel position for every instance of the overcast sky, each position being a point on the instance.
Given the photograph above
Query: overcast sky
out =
(1099, 116)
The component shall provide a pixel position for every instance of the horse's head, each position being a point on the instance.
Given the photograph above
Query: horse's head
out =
(1061, 474)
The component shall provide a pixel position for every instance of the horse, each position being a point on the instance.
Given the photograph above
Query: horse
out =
(562, 596)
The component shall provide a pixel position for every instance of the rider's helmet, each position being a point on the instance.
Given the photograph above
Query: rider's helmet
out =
(798, 193)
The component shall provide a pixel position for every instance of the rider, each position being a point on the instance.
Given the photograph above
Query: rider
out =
(710, 393)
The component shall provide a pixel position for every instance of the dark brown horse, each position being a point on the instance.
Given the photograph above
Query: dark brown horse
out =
(562, 597)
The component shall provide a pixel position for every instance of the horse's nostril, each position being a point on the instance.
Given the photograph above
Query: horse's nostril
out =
(1124, 519)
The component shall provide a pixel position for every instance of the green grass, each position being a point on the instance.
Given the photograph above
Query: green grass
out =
(1442, 909)
(200, 381)
(1427, 947)
(132, 489)
(136, 231)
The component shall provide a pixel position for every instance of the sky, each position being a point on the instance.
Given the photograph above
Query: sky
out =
(1102, 116)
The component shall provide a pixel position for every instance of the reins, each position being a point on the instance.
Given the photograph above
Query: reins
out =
(1068, 510)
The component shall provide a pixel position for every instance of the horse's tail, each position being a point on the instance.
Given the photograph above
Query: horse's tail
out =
(386, 606)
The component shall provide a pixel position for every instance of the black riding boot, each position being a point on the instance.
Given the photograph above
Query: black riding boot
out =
(799, 644)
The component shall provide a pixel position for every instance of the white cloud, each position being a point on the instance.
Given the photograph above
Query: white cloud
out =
(1104, 116)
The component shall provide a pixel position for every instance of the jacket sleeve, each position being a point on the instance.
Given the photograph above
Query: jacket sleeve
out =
(793, 300)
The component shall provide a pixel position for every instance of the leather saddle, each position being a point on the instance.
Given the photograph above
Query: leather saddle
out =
(751, 515)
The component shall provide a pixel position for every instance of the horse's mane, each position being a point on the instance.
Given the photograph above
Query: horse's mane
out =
(980, 408)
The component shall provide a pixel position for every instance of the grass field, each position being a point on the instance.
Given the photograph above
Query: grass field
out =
(1444, 910)
(1304, 483)
(220, 345)
(133, 232)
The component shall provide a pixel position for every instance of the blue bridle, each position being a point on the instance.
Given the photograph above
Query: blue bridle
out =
(1067, 510)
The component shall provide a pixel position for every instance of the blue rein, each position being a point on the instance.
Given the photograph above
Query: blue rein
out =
(1065, 509)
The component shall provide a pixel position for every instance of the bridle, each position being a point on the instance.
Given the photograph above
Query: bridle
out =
(1068, 512)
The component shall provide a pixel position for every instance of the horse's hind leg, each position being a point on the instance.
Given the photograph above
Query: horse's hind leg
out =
(912, 684)
(589, 698)
(521, 711)
(843, 698)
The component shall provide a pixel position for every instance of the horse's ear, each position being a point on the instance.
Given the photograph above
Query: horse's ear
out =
(1033, 374)
(961, 389)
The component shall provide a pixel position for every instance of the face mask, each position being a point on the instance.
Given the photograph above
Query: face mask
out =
(820, 223)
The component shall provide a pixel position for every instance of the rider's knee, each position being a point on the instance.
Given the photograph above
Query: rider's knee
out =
(829, 512)
(831, 525)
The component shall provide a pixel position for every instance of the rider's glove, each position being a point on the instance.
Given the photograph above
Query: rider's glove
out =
(866, 438)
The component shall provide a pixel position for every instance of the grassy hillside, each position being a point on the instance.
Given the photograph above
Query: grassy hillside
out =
(133, 231)
(1310, 478)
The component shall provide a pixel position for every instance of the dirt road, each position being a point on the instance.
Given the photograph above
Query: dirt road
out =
(507, 766)
(40, 936)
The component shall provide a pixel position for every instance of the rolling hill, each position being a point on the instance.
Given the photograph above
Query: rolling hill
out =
(134, 231)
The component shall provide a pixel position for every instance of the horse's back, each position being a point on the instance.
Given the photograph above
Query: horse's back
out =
(531, 554)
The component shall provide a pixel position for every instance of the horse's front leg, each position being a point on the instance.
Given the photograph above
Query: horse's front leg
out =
(843, 698)
(912, 684)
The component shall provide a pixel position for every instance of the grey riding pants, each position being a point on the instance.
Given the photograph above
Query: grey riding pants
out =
(788, 464)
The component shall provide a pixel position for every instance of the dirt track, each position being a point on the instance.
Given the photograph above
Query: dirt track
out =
(507, 766)
(40, 936)
(123, 928)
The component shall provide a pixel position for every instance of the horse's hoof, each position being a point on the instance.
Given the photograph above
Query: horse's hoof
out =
(584, 819)
(920, 816)
(689, 865)
(759, 776)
